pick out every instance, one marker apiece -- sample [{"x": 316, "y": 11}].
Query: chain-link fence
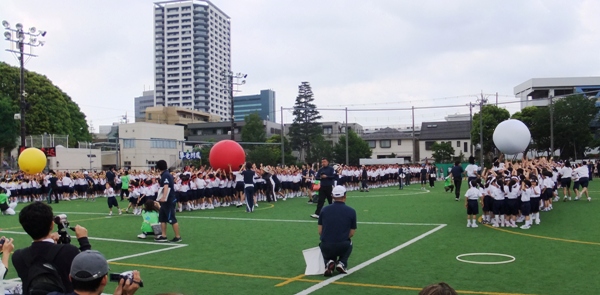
[{"x": 45, "y": 140}]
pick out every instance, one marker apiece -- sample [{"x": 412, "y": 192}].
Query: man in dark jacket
[
  {"x": 327, "y": 177},
  {"x": 37, "y": 220}
]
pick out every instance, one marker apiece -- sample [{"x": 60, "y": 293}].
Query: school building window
[
  {"x": 386, "y": 143},
  {"x": 428, "y": 145},
  {"x": 465, "y": 147},
  {"x": 327, "y": 130},
  {"x": 127, "y": 163},
  {"x": 372, "y": 143},
  {"x": 458, "y": 143},
  {"x": 163, "y": 143},
  {"x": 128, "y": 143},
  {"x": 399, "y": 141}
]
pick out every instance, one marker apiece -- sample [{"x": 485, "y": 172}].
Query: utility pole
[
  {"x": 482, "y": 101},
  {"x": 347, "y": 134},
  {"x": 413, "y": 136},
  {"x": 230, "y": 79},
  {"x": 282, "y": 140},
  {"x": 17, "y": 35},
  {"x": 471, "y": 125},
  {"x": 551, "y": 126}
]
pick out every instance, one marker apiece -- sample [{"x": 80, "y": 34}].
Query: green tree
[
  {"x": 443, "y": 152},
  {"x": 492, "y": 116},
  {"x": 304, "y": 128},
  {"x": 49, "y": 109},
  {"x": 271, "y": 154},
  {"x": 537, "y": 119},
  {"x": 9, "y": 127},
  {"x": 320, "y": 148},
  {"x": 357, "y": 149},
  {"x": 572, "y": 118},
  {"x": 253, "y": 130}
]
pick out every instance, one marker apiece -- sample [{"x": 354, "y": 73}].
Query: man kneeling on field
[{"x": 337, "y": 224}]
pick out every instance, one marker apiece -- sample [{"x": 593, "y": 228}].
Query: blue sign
[{"x": 189, "y": 155}]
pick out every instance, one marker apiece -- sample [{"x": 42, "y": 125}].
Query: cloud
[{"x": 356, "y": 54}]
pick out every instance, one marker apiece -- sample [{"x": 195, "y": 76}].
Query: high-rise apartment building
[
  {"x": 192, "y": 48},
  {"x": 143, "y": 102},
  {"x": 263, "y": 104}
]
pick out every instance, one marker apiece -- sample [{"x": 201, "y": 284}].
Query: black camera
[
  {"x": 2, "y": 242},
  {"x": 127, "y": 276},
  {"x": 63, "y": 224}
]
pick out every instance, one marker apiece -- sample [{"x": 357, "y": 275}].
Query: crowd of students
[{"x": 511, "y": 192}]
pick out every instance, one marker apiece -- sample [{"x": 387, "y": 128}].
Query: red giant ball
[{"x": 227, "y": 152}]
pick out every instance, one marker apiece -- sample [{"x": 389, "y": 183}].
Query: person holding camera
[
  {"x": 89, "y": 276},
  {"x": 6, "y": 247},
  {"x": 32, "y": 263}
]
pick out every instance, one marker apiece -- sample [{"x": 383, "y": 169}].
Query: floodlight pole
[{"x": 17, "y": 35}]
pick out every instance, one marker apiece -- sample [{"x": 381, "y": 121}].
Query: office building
[
  {"x": 143, "y": 102},
  {"x": 176, "y": 116},
  {"x": 263, "y": 104},
  {"x": 536, "y": 91},
  {"x": 192, "y": 48}
]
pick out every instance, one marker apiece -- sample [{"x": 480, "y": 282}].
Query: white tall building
[{"x": 192, "y": 49}]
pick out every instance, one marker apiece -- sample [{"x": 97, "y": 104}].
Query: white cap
[
  {"x": 85, "y": 173},
  {"x": 338, "y": 191}
]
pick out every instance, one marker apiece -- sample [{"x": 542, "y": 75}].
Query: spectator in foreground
[
  {"x": 37, "y": 220},
  {"x": 89, "y": 275},
  {"x": 438, "y": 289}
]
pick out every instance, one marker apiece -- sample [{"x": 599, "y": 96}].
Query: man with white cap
[
  {"x": 337, "y": 224},
  {"x": 89, "y": 276}
]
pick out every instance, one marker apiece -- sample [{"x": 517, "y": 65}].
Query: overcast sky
[{"x": 356, "y": 54}]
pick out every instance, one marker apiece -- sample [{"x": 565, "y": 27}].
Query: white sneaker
[
  {"x": 537, "y": 222},
  {"x": 495, "y": 225},
  {"x": 315, "y": 216},
  {"x": 577, "y": 198},
  {"x": 256, "y": 205},
  {"x": 120, "y": 213},
  {"x": 589, "y": 199},
  {"x": 468, "y": 224},
  {"x": 556, "y": 199},
  {"x": 474, "y": 225},
  {"x": 569, "y": 198},
  {"x": 525, "y": 226},
  {"x": 109, "y": 213},
  {"x": 141, "y": 236}
]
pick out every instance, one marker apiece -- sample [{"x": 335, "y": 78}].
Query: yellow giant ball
[{"x": 32, "y": 161}]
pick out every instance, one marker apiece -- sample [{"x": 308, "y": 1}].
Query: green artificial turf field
[{"x": 228, "y": 251}]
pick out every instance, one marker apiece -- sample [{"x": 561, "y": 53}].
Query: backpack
[{"x": 42, "y": 275}]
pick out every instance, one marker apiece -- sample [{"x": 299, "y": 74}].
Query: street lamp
[
  {"x": 17, "y": 36},
  {"x": 230, "y": 79}
]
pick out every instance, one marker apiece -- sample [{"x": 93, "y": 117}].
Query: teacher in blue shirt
[{"x": 327, "y": 177}]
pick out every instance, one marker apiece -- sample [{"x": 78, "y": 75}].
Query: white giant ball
[{"x": 512, "y": 137}]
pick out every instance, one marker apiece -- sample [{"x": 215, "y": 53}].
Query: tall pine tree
[{"x": 305, "y": 128}]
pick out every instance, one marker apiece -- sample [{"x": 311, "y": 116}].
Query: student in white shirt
[
  {"x": 472, "y": 199},
  {"x": 526, "y": 192},
  {"x": 565, "y": 180},
  {"x": 584, "y": 173},
  {"x": 111, "y": 199},
  {"x": 471, "y": 169}
]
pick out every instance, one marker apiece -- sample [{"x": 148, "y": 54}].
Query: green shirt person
[{"x": 125, "y": 181}]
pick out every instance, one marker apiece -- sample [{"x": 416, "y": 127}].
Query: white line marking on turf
[
  {"x": 367, "y": 263},
  {"x": 169, "y": 247},
  {"x": 148, "y": 252},
  {"x": 276, "y": 220},
  {"x": 389, "y": 195}
]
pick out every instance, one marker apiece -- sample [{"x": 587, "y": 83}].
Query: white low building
[
  {"x": 141, "y": 145},
  {"x": 74, "y": 159}
]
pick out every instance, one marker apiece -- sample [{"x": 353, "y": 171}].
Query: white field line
[
  {"x": 270, "y": 220},
  {"x": 367, "y": 263},
  {"x": 168, "y": 246},
  {"x": 389, "y": 195},
  {"x": 148, "y": 252}
]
